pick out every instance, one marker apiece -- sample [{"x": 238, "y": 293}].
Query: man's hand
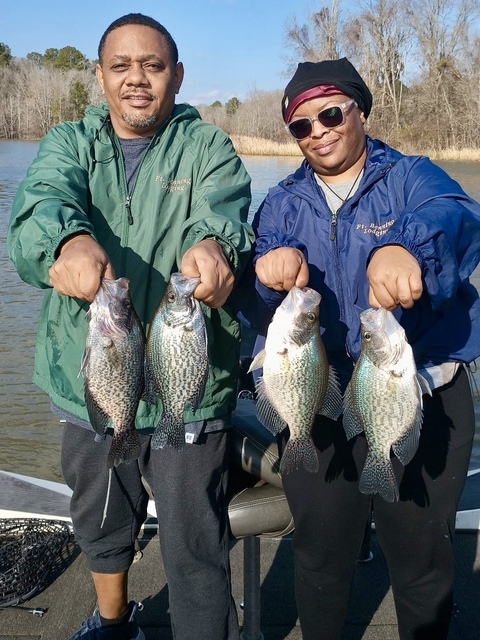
[
  {"x": 79, "y": 268},
  {"x": 282, "y": 268},
  {"x": 395, "y": 278},
  {"x": 207, "y": 260}
]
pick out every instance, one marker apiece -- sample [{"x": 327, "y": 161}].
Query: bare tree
[
  {"x": 386, "y": 39},
  {"x": 9, "y": 112},
  {"x": 318, "y": 38},
  {"x": 417, "y": 57},
  {"x": 260, "y": 116},
  {"x": 444, "y": 35}
]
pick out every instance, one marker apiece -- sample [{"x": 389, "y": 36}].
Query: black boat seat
[{"x": 257, "y": 506}]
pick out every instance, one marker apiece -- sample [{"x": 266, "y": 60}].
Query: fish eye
[
  {"x": 311, "y": 317},
  {"x": 171, "y": 297},
  {"x": 367, "y": 336}
]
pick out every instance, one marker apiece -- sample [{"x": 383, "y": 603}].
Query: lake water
[{"x": 29, "y": 434}]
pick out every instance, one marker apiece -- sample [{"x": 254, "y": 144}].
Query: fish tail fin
[
  {"x": 169, "y": 434},
  {"x": 125, "y": 447},
  {"x": 378, "y": 477},
  {"x": 299, "y": 451}
]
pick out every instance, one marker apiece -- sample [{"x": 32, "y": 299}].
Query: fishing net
[{"x": 29, "y": 548}]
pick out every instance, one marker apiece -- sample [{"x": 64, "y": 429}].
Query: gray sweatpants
[{"x": 189, "y": 489}]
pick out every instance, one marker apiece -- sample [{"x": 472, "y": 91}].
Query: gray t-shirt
[{"x": 133, "y": 150}]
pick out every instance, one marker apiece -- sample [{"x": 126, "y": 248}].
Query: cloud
[{"x": 206, "y": 97}]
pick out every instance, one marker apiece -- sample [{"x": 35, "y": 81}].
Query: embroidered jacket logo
[
  {"x": 173, "y": 185},
  {"x": 375, "y": 229}
]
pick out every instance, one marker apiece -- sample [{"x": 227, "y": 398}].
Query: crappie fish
[
  {"x": 384, "y": 399},
  {"x": 297, "y": 382},
  {"x": 177, "y": 359},
  {"x": 113, "y": 365}
]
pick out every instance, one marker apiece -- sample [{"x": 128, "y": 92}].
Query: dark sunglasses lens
[
  {"x": 329, "y": 118},
  {"x": 300, "y": 128},
  {"x": 332, "y": 117}
]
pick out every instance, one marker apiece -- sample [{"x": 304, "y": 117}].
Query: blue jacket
[{"x": 403, "y": 200}]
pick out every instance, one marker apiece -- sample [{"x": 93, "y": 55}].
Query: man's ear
[{"x": 99, "y": 74}]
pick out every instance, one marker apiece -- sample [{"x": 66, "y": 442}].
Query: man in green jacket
[{"x": 140, "y": 188}]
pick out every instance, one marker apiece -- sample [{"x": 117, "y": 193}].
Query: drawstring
[{"x": 108, "y": 498}]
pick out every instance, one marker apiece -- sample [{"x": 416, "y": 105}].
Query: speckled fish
[
  {"x": 297, "y": 382},
  {"x": 384, "y": 399},
  {"x": 113, "y": 365},
  {"x": 177, "y": 359}
]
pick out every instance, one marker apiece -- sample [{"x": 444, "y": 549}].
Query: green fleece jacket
[{"x": 190, "y": 185}]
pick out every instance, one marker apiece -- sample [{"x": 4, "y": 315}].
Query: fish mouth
[
  {"x": 305, "y": 299},
  {"x": 183, "y": 285},
  {"x": 110, "y": 296},
  {"x": 112, "y": 288}
]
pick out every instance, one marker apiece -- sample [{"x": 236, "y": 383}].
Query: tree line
[{"x": 420, "y": 58}]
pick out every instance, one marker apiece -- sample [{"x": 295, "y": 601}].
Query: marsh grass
[{"x": 249, "y": 146}]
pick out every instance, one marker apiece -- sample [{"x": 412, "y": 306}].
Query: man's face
[
  {"x": 139, "y": 80},
  {"x": 332, "y": 152}
]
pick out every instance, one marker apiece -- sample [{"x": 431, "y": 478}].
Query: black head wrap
[{"x": 339, "y": 73}]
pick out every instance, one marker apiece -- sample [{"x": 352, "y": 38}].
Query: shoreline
[{"x": 249, "y": 146}]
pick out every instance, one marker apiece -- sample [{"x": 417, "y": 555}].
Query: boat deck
[{"x": 68, "y": 596}]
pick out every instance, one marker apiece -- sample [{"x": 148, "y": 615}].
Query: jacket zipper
[
  {"x": 333, "y": 227},
  {"x": 129, "y": 210}
]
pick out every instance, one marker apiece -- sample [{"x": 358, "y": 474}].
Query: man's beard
[{"x": 139, "y": 122}]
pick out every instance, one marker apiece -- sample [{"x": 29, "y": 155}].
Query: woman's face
[{"x": 333, "y": 152}]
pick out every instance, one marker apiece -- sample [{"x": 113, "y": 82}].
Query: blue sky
[{"x": 229, "y": 47}]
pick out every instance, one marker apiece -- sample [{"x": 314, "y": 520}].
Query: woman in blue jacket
[{"x": 367, "y": 226}]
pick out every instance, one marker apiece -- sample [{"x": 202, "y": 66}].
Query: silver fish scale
[
  {"x": 113, "y": 366},
  {"x": 116, "y": 366},
  {"x": 177, "y": 363},
  {"x": 295, "y": 384},
  {"x": 384, "y": 399},
  {"x": 387, "y": 407}
]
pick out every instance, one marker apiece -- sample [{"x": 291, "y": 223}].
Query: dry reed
[{"x": 249, "y": 146}]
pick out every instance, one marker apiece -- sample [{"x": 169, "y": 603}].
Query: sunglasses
[{"x": 329, "y": 118}]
